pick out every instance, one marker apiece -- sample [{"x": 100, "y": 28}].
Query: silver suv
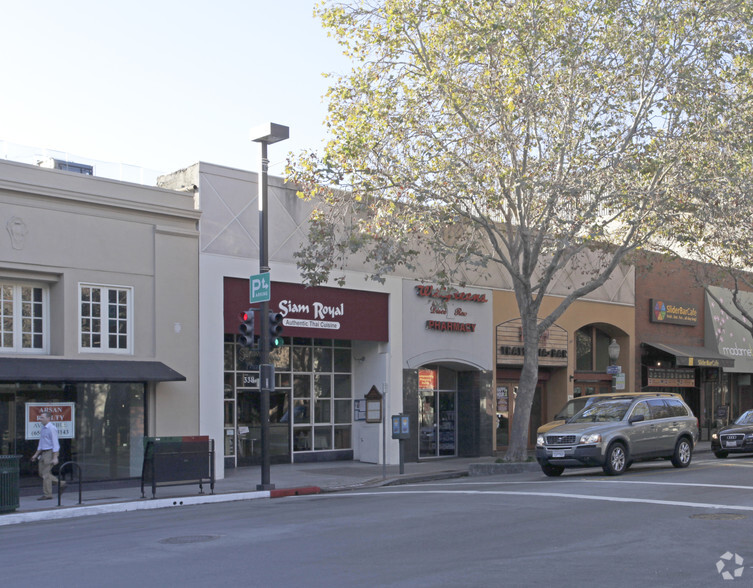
[{"x": 614, "y": 433}]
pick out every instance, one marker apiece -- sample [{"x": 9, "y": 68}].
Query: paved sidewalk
[{"x": 240, "y": 484}]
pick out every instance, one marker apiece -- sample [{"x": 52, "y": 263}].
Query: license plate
[
  {"x": 731, "y": 444},
  {"x": 558, "y": 453}
]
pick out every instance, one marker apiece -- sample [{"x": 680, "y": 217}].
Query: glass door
[{"x": 437, "y": 424}]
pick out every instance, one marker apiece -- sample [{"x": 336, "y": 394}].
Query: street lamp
[
  {"x": 265, "y": 134},
  {"x": 614, "y": 353}
]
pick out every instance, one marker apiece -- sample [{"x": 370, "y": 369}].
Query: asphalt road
[{"x": 653, "y": 526}]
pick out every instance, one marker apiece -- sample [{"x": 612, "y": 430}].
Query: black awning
[
  {"x": 687, "y": 356},
  {"x": 38, "y": 369}
]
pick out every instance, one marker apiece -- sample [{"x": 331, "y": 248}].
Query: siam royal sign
[
  {"x": 320, "y": 312},
  {"x": 552, "y": 345},
  {"x": 449, "y": 305},
  {"x": 673, "y": 313}
]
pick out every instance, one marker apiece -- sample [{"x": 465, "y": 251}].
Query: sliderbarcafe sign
[{"x": 673, "y": 313}]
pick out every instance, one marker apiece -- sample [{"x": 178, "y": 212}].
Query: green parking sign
[{"x": 259, "y": 288}]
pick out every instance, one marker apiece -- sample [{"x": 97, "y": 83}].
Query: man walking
[{"x": 47, "y": 454}]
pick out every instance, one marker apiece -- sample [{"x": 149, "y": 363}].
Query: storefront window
[
  {"x": 314, "y": 376},
  {"x": 592, "y": 349},
  {"x": 107, "y": 423}
]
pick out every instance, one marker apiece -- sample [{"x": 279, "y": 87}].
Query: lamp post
[
  {"x": 265, "y": 134},
  {"x": 614, "y": 353}
]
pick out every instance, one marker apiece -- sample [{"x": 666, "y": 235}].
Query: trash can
[{"x": 9, "y": 491}]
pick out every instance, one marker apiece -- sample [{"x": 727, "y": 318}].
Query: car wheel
[
  {"x": 617, "y": 460},
  {"x": 551, "y": 470},
  {"x": 721, "y": 454},
  {"x": 683, "y": 454}
]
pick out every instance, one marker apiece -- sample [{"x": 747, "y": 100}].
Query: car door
[
  {"x": 640, "y": 434},
  {"x": 665, "y": 428}
]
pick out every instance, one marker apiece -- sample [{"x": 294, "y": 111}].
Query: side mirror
[{"x": 637, "y": 418}]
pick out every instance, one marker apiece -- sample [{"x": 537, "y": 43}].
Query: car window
[
  {"x": 676, "y": 408},
  {"x": 571, "y": 407},
  {"x": 641, "y": 409},
  {"x": 602, "y": 412},
  {"x": 745, "y": 419},
  {"x": 659, "y": 409}
]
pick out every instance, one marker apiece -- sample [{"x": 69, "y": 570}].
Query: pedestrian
[{"x": 47, "y": 453}]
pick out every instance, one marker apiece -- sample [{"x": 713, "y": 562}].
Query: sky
[{"x": 162, "y": 84}]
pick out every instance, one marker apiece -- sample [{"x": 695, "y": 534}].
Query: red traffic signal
[{"x": 246, "y": 328}]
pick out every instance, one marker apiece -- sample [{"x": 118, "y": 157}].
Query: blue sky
[{"x": 162, "y": 84}]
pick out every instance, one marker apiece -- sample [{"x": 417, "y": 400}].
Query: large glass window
[
  {"x": 592, "y": 349},
  {"x": 108, "y": 424},
  {"x": 23, "y": 324},
  {"x": 315, "y": 375},
  {"x": 105, "y": 318}
]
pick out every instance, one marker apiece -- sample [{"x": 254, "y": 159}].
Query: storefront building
[
  {"x": 731, "y": 340},
  {"x": 573, "y": 353},
  {"x": 313, "y": 416},
  {"x": 447, "y": 370},
  {"x": 686, "y": 342},
  {"x": 339, "y": 341},
  {"x": 98, "y": 322}
]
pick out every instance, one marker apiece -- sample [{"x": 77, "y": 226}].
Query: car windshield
[
  {"x": 571, "y": 408},
  {"x": 603, "y": 412},
  {"x": 745, "y": 419}
]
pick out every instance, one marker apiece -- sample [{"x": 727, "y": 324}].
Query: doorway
[{"x": 438, "y": 418}]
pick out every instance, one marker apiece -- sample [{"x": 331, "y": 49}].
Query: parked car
[
  {"x": 612, "y": 434},
  {"x": 575, "y": 405},
  {"x": 734, "y": 438}
]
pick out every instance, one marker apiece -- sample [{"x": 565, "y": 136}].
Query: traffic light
[
  {"x": 275, "y": 330},
  {"x": 246, "y": 329}
]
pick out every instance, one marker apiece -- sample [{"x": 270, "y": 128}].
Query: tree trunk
[{"x": 517, "y": 450}]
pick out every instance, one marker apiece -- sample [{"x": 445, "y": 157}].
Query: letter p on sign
[{"x": 259, "y": 288}]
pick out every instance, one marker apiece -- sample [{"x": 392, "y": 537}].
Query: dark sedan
[{"x": 734, "y": 438}]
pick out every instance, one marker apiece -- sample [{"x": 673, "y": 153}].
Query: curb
[
  {"x": 151, "y": 504},
  {"x": 302, "y": 491},
  {"x": 493, "y": 469}
]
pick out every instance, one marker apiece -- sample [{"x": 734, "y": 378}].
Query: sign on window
[{"x": 63, "y": 417}]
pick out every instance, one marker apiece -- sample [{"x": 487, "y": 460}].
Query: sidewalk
[{"x": 240, "y": 484}]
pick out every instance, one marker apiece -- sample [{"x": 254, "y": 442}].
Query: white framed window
[
  {"x": 105, "y": 318},
  {"x": 23, "y": 318}
]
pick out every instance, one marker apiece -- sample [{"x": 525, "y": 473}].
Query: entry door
[
  {"x": 438, "y": 424},
  {"x": 249, "y": 428},
  {"x": 7, "y": 424}
]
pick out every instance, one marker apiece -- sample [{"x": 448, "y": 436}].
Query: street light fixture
[
  {"x": 614, "y": 354},
  {"x": 265, "y": 134}
]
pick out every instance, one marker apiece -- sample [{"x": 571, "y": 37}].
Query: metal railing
[{"x": 73, "y": 465}]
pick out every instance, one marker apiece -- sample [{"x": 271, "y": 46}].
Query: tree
[{"x": 535, "y": 136}]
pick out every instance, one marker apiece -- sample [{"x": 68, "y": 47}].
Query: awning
[
  {"x": 688, "y": 356},
  {"x": 37, "y": 369}
]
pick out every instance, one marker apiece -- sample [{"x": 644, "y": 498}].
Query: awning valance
[
  {"x": 37, "y": 369},
  {"x": 688, "y": 356}
]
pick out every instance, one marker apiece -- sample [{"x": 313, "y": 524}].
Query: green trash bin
[{"x": 9, "y": 491}]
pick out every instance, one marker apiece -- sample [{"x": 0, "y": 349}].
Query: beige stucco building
[{"x": 98, "y": 316}]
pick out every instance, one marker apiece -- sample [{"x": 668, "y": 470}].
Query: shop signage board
[
  {"x": 673, "y": 313},
  {"x": 63, "y": 417},
  {"x": 510, "y": 345},
  {"x": 671, "y": 377}
]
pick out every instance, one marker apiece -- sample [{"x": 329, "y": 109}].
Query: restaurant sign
[
  {"x": 673, "y": 313},
  {"x": 671, "y": 378}
]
